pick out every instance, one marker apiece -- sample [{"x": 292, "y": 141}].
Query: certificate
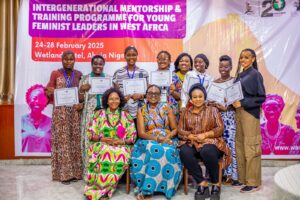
[
  {"x": 216, "y": 93},
  {"x": 225, "y": 96},
  {"x": 66, "y": 96},
  {"x": 234, "y": 93},
  {"x": 161, "y": 78},
  {"x": 193, "y": 80},
  {"x": 134, "y": 86},
  {"x": 99, "y": 84}
]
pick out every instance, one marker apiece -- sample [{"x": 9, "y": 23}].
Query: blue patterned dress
[
  {"x": 229, "y": 134},
  {"x": 156, "y": 167}
]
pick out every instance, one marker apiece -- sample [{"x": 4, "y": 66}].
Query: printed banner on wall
[{"x": 213, "y": 27}]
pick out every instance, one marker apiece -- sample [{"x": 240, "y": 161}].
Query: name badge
[{"x": 163, "y": 96}]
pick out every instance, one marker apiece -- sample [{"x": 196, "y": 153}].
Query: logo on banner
[
  {"x": 278, "y": 5},
  {"x": 265, "y": 8}
]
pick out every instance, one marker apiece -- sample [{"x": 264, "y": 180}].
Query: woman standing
[
  {"x": 248, "y": 137},
  {"x": 65, "y": 139},
  {"x": 130, "y": 71},
  {"x": 156, "y": 165},
  {"x": 172, "y": 92},
  {"x": 112, "y": 134},
  {"x": 183, "y": 64},
  {"x": 201, "y": 63},
  {"x": 92, "y": 102},
  {"x": 228, "y": 116}
]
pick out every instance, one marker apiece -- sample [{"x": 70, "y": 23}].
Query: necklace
[
  {"x": 220, "y": 80},
  {"x": 132, "y": 76},
  {"x": 273, "y": 138},
  {"x": 69, "y": 79},
  {"x": 119, "y": 120}
]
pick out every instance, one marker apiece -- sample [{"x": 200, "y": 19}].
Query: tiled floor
[{"x": 33, "y": 182}]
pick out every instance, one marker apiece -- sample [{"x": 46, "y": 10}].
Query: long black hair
[
  {"x": 254, "y": 64},
  {"x": 176, "y": 63}
]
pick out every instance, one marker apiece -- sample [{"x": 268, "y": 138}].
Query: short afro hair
[{"x": 106, "y": 95}]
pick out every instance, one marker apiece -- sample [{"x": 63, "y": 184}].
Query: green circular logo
[{"x": 278, "y": 4}]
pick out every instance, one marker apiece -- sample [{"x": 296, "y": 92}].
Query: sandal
[
  {"x": 140, "y": 196},
  {"x": 66, "y": 182},
  {"x": 105, "y": 197},
  {"x": 74, "y": 180},
  {"x": 148, "y": 197}
]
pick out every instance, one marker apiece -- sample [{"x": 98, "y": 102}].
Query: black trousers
[{"x": 209, "y": 154}]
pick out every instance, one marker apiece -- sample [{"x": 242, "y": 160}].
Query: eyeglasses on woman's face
[{"x": 153, "y": 94}]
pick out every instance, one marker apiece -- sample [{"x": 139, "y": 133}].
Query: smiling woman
[
  {"x": 91, "y": 102},
  {"x": 111, "y": 134},
  {"x": 130, "y": 71},
  {"x": 36, "y": 127},
  {"x": 200, "y": 131},
  {"x": 170, "y": 94},
  {"x": 155, "y": 158},
  {"x": 66, "y": 151}
]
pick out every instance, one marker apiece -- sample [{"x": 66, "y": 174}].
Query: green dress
[
  {"x": 92, "y": 102},
  {"x": 107, "y": 163}
]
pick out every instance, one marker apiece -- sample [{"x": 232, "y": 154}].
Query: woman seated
[
  {"x": 156, "y": 167},
  {"x": 200, "y": 131},
  {"x": 111, "y": 134}
]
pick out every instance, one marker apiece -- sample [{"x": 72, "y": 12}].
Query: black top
[{"x": 253, "y": 91}]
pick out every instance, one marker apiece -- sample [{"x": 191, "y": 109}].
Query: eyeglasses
[
  {"x": 162, "y": 59},
  {"x": 154, "y": 94}
]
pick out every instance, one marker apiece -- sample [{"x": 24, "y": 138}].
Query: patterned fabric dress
[
  {"x": 107, "y": 163},
  {"x": 170, "y": 99},
  {"x": 92, "y": 102},
  {"x": 156, "y": 167},
  {"x": 122, "y": 74},
  {"x": 229, "y": 134},
  {"x": 65, "y": 138}
]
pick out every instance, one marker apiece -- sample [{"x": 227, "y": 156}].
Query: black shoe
[
  {"x": 66, "y": 182},
  {"x": 202, "y": 193},
  {"x": 249, "y": 189},
  {"x": 215, "y": 192},
  {"x": 236, "y": 184}
]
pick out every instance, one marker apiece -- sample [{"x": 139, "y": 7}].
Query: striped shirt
[{"x": 120, "y": 75}]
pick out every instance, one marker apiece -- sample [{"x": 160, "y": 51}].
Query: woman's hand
[
  {"x": 172, "y": 88},
  {"x": 95, "y": 138},
  {"x": 78, "y": 107},
  {"x": 200, "y": 138},
  {"x": 84, "y": 88},
  {"x": 127, "y": 97},
  {"x": 49, "y": 91},
  {"x": 167, "y": 139},
  {"x": 137, "y": 97},
  {"x": 192, "y": 137},
  {"x": 237, "y": 104},
  {"x": 217, "y": 105},
  {"x": 107, "y": 140}
]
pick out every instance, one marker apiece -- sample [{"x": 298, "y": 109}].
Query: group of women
[{"x": 153, "y": 137}]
